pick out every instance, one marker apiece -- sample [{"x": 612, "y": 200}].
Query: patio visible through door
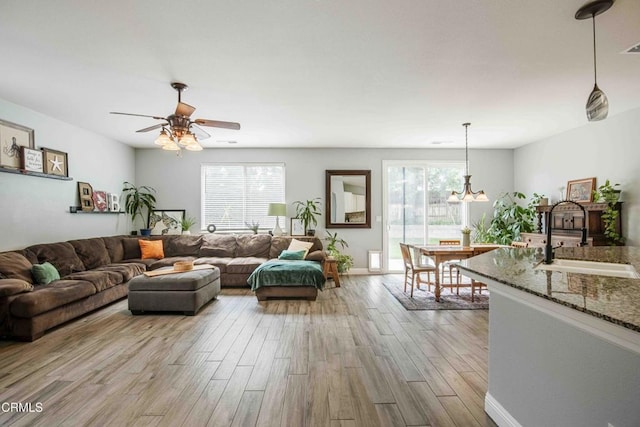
[{"x": 416, "y": 208}]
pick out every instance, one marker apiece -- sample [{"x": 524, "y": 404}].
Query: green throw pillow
[
  {"x": 44, "y": 273},
  {"x": 292, "y": 255}
]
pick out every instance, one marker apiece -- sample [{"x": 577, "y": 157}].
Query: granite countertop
[{"x": 613, "y": 299}]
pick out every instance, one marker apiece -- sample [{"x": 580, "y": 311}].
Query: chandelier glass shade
[
  {"x": 597, "y": 107},
  {"x": 467, "y": 194}
]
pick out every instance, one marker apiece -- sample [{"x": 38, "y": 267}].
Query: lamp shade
[{"x": 277, "y": 209}]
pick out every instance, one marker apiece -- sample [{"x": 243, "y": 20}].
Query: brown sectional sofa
[{"x": 95, "y": 272}]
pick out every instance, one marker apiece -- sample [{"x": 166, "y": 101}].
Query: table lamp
[{"x": 277, "y": 210}]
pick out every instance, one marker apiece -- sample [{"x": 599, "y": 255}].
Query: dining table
[{"x": 442, "y": 253}]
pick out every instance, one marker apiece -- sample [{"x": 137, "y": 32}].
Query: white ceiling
[{"x": 321, "y": 73}]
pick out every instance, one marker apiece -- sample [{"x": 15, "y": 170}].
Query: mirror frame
[{"x": 367, "y": 176}]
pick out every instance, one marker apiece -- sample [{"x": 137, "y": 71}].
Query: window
[{"x": 234, "y": 195}]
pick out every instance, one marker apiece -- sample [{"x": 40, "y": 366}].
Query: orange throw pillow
[{"x": 151, "y": 249}]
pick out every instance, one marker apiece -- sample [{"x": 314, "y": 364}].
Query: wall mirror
[{"x": 348, "y": 199}]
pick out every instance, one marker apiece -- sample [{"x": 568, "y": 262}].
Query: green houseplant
[
  {"x": 510, "y": 218},
  {"x": 186, "y": 223},
  {"x": 307, "y": 212},
  {"x": 343, "y": 261},
  {"x": 609, "y": 194},
  {"x": 139, "y": 201}
]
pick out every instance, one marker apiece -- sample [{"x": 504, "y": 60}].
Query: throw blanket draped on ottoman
[{"x": 287, "y": 274}]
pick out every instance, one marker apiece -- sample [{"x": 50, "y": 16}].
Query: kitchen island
[{"x": 564, "y": 348}]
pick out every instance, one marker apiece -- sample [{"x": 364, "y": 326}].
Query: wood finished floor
[{"x": 354, "y": 357}]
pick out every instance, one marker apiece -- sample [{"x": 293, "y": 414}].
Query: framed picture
[
  {"x": 581, "y": 190},
  {"x": 297, "y": 227},
  {"x": 166, "y": 221},
  {"x": 55, "y": 162},
  {"x": 12, "y": 138},
  {"x": 31, "y": 160}
]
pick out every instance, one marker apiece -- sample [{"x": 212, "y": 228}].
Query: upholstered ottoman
[{"x": 186, "y": 291}]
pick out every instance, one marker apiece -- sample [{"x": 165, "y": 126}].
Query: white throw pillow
[{"x": 299, "y": 245}]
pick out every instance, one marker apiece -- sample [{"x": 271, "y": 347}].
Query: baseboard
[{"x": 497, "y": 413}]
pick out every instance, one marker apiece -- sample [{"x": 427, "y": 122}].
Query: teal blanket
[{"x": 277, "y": 272}]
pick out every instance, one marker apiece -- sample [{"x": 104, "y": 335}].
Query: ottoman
[{"x": 185, "y": 291}]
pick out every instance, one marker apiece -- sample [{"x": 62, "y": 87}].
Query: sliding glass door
[{"x": 416, "y": 208}]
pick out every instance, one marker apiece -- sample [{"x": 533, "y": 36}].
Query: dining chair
[
  {"x": 413, "y": 270},
  {"x": 451, "y": 264}
]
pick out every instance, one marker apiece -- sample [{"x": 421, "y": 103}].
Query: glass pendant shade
[
  {"x": 172, "y": 146},
  {"x": 188, "y": 139},
  {"x": 163, "y": 138},
  {"x": 597, "y": 105}
]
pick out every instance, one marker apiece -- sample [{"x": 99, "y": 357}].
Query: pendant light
[
  {"x": 597, "y": 103},
  {"x": 467, "y": 195}
]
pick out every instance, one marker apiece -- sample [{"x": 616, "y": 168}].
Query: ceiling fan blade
[
  {"x": 158, "y": 126},
  {"x": 184, "y": 109},
  {"x": 199, "y": 132},
  {"x": 138, "y": 115},
  {"x": 218, "y": 124}
]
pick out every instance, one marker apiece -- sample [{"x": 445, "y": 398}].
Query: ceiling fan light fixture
[
  {"x": 187, "y": 139},
  {"x": 172, "y": 146},
  {"x": 163, "y": 138}
]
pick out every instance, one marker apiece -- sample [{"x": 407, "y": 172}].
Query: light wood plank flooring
[{"x": 354, "y": 357}]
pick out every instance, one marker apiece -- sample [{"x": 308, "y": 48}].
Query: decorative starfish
[{"x": 56, "y": 164}]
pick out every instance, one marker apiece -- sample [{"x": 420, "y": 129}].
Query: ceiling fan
[{"x": 178, "y": 129}]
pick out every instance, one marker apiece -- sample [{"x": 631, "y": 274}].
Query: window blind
[{"x": 234, "y": 195}]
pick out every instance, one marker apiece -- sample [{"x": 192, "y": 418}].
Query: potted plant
[
  {"x": 466, "y": 237},
  {"x": 308, "y": 212},
  {"x": 609, "y": 194},
  {"x": 511, "y": 218},
  {"x": 137, "y": 202},
  {"x": 186, "y": 223},
  {"x": 343, "y": 261},
  {"x": 254, "y": 226}
]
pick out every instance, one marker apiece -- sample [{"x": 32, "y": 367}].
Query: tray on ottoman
[{"x": 184, "y": 291}]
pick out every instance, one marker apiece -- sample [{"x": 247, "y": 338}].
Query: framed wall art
[
  {"x": 12, "y": 138},
  {"x": 166, "y": 221},
  {"x": 297, "y": 227},
  {"x": 31, "y": 160},
  {"x": 581, "y": 190},
  {"x": 55, "y": 162}
]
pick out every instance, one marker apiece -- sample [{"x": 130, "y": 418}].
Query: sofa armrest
[{"x": 10, "y": 287}]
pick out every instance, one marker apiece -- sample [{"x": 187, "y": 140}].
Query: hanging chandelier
[
  {"x": 467, "y": 195},
  {"x": 597, "y": 104}
]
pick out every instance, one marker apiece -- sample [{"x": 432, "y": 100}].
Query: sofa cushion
[
  {"x": 100, "y": 279},
  {"x": 10, "y": 287},
  {"x": 128, "y": 270},
  {"x": 131, "y": 248},
  {"x": 244, "y": 265},
  {"x": 186, "y": 245},
  {"x": 92, "y": 252},
  {"x": 44, "y": 273},
  {"x": 253, "y": 245},
  {"x": 15, "y": 266},
  {"x": 61, "y": 255},
  {"x": 48, "y": 297},
  {"x": 114, "y": 248},
  {"x": 145, "y": 262},
  {"x": 218, "y": 245},
  {"x": 299, "y": 245},
  {"x": 169, "y": 261},
  {"x": 220, "y": 262},
  {"x": 151, "y": 249}
]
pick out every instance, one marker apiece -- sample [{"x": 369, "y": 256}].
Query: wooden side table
[{"x": 330, "y": 269}]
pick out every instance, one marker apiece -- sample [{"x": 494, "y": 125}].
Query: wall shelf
[
  {"x": 80, "y": 211},
  {"x": 38, "y": 174}
]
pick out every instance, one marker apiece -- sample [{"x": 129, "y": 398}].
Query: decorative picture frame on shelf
[
  {"x": 581, "y": 190},
  {"x": 166, "y": 221},
  {"x": 85, "y": 195},
  {"x": 31, "y": 160},
  {"x": 12, "y": 138},
  {"x": 297, "y": 227},
  {"x": 55, "y": 162}
]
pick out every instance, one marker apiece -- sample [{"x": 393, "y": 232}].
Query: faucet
[{"x": 548, "y": 250}]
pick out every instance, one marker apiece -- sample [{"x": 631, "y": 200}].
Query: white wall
[
  {"x": 177, "y": 180},
  {"x": 609, "y": 149},
  {"x": 36, "y": 210}
]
